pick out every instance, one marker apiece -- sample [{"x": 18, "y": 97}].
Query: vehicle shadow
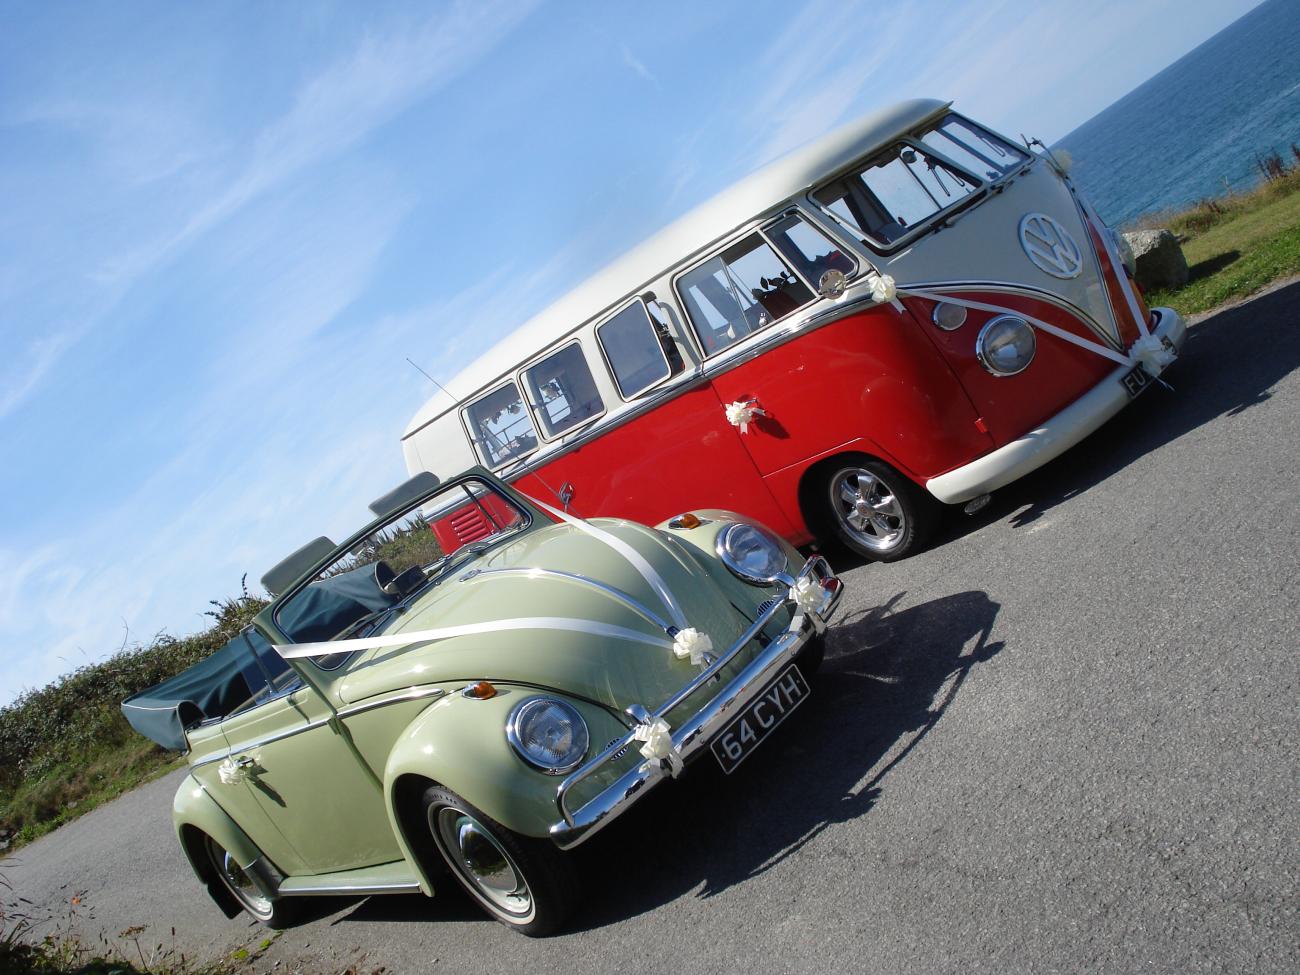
[
  {"x": 1228, "y": 365},
  {"x": 888, "y": 678}
]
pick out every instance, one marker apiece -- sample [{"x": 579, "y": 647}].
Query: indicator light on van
[{"x": 948, "y": 316}]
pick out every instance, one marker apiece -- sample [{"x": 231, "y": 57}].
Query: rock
[{"x": 1160, "y": 261}]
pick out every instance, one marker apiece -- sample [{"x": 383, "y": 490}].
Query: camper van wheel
[{"x": 876, "y": 511}]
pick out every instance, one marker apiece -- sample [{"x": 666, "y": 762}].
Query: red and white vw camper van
[{"x": 913, "y": 311}]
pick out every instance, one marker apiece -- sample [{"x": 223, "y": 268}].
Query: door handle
[{"x": 245, "y": 761}]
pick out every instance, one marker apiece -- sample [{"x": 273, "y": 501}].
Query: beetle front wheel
[
  {"x": 525, "y": 883},
  {"x": 274, "y": 914},
  {"x": 876, "y": 511}
]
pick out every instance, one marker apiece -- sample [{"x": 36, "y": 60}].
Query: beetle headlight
[
  {"x": 751, "y": 553},
  {"x": 548, "y": 734},
  {"x": 1005, "y": 345}
]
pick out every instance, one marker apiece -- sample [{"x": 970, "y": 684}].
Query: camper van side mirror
[{"x": 832, "y": 284}]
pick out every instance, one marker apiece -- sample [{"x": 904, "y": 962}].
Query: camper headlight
[
  {"x": 751, "y": 553},
  {"x": 1005, "y": 345},
  {"x": 548, "y": 734}
]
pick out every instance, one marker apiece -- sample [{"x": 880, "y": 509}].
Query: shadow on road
[{"x": 888, "y": 678}]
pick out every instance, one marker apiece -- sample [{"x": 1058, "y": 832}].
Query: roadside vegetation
[
  {"x": 65, "y": 748},
  {"x": 1237, "y": 244}
]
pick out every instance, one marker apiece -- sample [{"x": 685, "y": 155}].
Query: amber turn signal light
[
  {"x": 687, "y": 520},
  {"x": 480, "y": 690}
]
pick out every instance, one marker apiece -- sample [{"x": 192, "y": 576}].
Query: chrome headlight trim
[
  {"x": 948, "y": 317},
  {"x": 517, "y": 725},
  {"x": 1002, "y": 322},
  {"x": 737, "y": 535}
]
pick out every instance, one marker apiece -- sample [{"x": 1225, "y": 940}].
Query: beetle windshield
[{"x": 372, "y": 578}]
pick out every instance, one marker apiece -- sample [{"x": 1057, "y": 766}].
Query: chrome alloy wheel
[
  {"x": 238, "y": 882},
  {"x": 482, "y": 862},
  {"x": 867, "y": 509}
]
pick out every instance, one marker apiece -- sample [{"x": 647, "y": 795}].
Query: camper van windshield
[{"x": 902, "y": 188}]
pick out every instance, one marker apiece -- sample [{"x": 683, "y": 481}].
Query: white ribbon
[
  {"x": 741, "y": 414},
  {"x": 658, "y": 739},
  {"x": 635, "y": 558},
  {"x": 693, "y": 644},
  {"x": 885, "y": 289},
  {"x": 1153, "y": 355},
  {"x": 294, "y": 651}
]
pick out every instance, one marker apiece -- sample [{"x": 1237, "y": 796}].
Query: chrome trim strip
[
  {"x": 410, "y": 694},
  {"x": 577, "y": 826},
  {"x": 616, "y": 594},
  {"x": 352, "y": 890}
]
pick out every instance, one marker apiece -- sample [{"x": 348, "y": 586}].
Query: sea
[{"x": 1196, "y": 129}]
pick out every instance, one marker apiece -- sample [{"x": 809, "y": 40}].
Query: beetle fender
[
  {"x": 195, "y": 812},
  {"x": 460, "y": 743}
]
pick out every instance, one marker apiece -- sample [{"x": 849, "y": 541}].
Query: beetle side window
[
  {"x": 810, "y": 252},
  {"x": 894, "y": 193},
  {"x": 638, "y": 347},
  {"x": 741, "y": 290},
  {"x": 562, "y": 391},
  {"x": 500, "y": 426}
]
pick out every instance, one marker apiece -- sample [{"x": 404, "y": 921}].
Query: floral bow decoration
[
  {"x": 690, "y": 642},
  {"x": 658, "y": 738},
  {"x": 807, "y": 596},
  {"x": 1152, "y": 354},
  {"x": 741, "y": 414},
  {"x": 884, "y": 289},
  {"x": 231, "y": 772}
]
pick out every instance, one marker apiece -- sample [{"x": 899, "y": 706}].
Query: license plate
[
  {"x": 747, "y": 731},
  {"x": 1135, "y": 380}
]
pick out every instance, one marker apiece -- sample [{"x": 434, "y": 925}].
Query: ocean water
[{"x": 1195, "y": 128}]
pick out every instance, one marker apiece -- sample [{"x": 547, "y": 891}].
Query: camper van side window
[
  {"x": 500, "y": 426},
  {"x": 739, "y": 291},
  {"x": 895, "y": 193},
  {"x": 635, "y": 346},
  {"x": 562, "y": 391},
  {"x": 808, "y": 249}
]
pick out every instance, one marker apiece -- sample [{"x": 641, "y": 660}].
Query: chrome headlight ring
[
  {"x": 548, "y": 734},
  {"x": 1006, "y": 345},
  {"x": 751, "y": 554}
]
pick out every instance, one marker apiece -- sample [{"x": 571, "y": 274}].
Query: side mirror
[{"x": 832, "y": 284}]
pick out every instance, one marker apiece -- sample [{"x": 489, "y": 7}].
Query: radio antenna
[{"x": 428, "y": 377}]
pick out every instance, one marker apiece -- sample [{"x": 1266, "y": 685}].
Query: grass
[
  {"x": 65, "y": 748},
  {"x": 1236, "y": 245}
]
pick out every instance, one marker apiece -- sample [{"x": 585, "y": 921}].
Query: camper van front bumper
[{"x": 1054, "y": 436}]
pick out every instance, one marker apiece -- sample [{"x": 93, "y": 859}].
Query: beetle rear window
[
  {"x": 500, "y": 426},
  {"x": 740, "y": 291}
]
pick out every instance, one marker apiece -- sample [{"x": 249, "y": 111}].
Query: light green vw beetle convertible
[{"x": 479, "y": 683}]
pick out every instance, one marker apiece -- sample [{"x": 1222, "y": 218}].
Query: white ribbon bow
[
  {"x": 690, "y": 642},
  {"x": 658, "y": 738},
  {"x": 232, "y": 773},
  {"x": 1152, "y": 354},
  {"x": 806, "y": 594},
  {"x": 742, "y": 414}
]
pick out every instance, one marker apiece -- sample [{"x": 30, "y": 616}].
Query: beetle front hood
[{"x": 579, "y": 660}]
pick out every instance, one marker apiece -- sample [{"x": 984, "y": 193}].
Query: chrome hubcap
[
  {"x": 237, "y": 881},
  {"x": 868, "y": 509},
  {"x": 482, "y": 861}
]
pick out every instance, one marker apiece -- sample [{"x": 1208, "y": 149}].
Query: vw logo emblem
[{"x": 1049, "y": 246}]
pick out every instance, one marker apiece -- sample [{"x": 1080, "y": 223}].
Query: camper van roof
[{"x": 782, "y": 179}]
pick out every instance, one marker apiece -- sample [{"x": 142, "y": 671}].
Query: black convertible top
[{"x": 222, "y": 682}]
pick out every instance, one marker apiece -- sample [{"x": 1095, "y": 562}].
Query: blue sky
[{"x": 224, "y": 226}]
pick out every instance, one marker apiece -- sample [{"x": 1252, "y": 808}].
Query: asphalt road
[{"x": 1064, "y": 739}]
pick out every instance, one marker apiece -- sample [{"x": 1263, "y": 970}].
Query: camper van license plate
[
  {"x": 772, "y": 705},
  {"x": 1135, "y": 380}
]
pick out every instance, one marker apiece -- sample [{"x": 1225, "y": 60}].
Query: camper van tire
[{"x": 874, "y": 510}]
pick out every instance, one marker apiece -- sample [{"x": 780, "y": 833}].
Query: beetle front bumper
[
  {"x": 694, "y": 735},
  {"x": 1056, "y": 435}
]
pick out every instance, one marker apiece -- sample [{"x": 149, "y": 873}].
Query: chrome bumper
[
  {"x": 1055, "y": 436},
  {"x": 693, "y": 736}
]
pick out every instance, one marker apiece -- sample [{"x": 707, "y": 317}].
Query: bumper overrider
[
  {"x": 693, "y": 735},
  {"x": 1055, "y": 435}
]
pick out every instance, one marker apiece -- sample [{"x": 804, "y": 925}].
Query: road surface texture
[{"x": 1061, "y": 740}]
